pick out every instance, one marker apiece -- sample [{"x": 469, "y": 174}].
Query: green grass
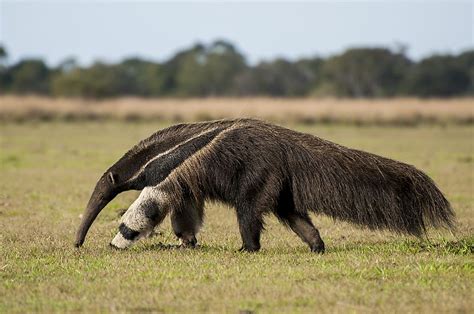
[{"x": 47, "y": 171}]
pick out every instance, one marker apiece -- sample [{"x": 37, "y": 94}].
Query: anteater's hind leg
[
  {"x": 250, "y": 226},
  {"x": 186, "y": 220},
  {"x": 301, "y": 224}
]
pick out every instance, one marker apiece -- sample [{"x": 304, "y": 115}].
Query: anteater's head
[{"x": 119, "y": 178}]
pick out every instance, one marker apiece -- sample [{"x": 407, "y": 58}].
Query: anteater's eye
[{"x": 112, "y": 178}]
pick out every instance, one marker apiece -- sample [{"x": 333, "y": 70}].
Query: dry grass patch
[{"x": 307, "y": 111}]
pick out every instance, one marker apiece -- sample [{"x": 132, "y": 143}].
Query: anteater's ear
[{"x": 112, "y": 177}]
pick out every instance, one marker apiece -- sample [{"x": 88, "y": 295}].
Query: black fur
[
  {"x": 160, "y": 168},
  {"x": 128, "y": 233}
]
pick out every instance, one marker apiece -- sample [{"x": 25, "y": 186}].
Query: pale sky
[{"x": 110, "y": 30}]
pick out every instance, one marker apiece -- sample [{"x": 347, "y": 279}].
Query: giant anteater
[{"x": 259, "y": 168}]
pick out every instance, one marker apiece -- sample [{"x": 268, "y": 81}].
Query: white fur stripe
[{"x": 139, "y": 172}]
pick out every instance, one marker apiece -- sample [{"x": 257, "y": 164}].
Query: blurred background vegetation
[{"x": 219, "y": 69}]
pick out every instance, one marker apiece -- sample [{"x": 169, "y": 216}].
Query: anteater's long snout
[{"x": 96, "y": 203}]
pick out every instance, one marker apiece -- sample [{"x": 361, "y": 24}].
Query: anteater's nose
[{"x": 113, "y": 246}]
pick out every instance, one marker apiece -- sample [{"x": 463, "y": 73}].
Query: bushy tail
[
  {"x": 372, "y": 191},
  {"x": 423, "y": 204}
]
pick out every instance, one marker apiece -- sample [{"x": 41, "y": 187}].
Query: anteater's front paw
[
  {"x": 318, "y": 248},
  {"x": 188, "y": 243},
  {"x": 249, "y": 248},
  {"x": 111, "y": 245},
  {"x": 119, "y": 242}
]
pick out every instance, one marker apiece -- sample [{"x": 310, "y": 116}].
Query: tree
[
  {"x": 437, "y": 76},
  {"x": 204, "y": 71},
  {"x": 98, "y": 81},
  {"x": 67, "y": 65},
  {"x": 29, "y": 76},
  {"x": 4, "y": 77},
  {"x": 3, "y": 55},
  {"x": 366, "y": 72},
  {"x": 279, "y": 78},
  {"x": 141, "y": 77},
  {"x": 465, "y": 61}
]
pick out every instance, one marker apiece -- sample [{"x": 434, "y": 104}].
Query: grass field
[{"x": 47, "y": 171}]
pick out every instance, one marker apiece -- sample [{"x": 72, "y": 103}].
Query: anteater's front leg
[
  {"x": 186, "y": 220},
  {"x": 148, "y": 210}
]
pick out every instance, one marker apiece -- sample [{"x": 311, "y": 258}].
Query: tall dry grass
[{"x": 402, "y": 111}]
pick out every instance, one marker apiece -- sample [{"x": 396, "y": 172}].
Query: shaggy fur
[{"x": 260, "y": 168}]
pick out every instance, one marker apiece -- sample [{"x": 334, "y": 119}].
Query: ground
[{"x": 48, "y": 170}]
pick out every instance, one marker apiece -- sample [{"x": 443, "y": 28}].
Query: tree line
[{"x": 219, "y": 69}]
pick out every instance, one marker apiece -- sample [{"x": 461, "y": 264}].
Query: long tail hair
[{"x": 369, "y": 190}]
